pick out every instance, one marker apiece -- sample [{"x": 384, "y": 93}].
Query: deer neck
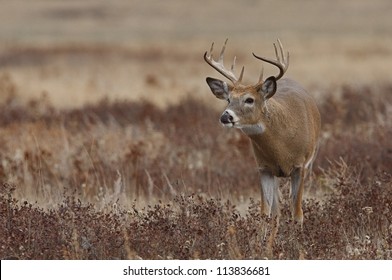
[{"x": 272, "y": 113}]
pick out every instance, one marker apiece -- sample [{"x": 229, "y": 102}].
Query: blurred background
[
  {"x": 77, "y": 52},
  {"x": 104, "y": 109}
]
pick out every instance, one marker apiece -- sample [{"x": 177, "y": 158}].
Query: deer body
[
  {"x": 282, "y": 121},
  {"x": 289, "y": 132}
]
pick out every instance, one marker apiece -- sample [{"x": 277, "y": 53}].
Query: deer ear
[
  {"x": 268, "y": 88},
  {"x": 219, "y": 88}
]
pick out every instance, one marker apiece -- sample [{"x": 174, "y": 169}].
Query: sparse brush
[{"x": 130, "y": 180}]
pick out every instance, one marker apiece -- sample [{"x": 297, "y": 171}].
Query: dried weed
[{"x": 128, "y": 180}]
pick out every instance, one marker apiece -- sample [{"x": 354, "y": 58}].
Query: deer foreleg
[{"x": 269, "y": 194}]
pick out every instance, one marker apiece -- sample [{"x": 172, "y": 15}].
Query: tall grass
[{"x": 121, "y": 180}]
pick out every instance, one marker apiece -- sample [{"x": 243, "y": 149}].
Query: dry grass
[{"x": 130, "y": 180}]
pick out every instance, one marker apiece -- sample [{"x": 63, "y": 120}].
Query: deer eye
[{"x": 249, "y": 101}]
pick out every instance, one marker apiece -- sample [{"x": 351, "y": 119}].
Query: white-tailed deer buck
[{"x": 280, "y": 118}]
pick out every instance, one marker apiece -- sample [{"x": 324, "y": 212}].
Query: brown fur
[{"x": 292, "y": 128}]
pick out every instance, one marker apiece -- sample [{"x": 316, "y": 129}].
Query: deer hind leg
[{"x": 297, "y": 189}]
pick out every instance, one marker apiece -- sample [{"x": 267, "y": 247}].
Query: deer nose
[{"x": 226, "y": 118}]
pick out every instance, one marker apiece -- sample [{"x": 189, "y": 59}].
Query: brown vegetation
[{"x": 120, "y": 180}]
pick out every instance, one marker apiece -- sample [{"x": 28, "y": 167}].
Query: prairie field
[{"x": 111, "y": 147}]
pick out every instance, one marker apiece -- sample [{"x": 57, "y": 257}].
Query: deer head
[{"x": 247, "y": 104}]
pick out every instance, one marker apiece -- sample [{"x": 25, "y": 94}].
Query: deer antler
[
  {"x": 218, "y": 65},
  {"x": 281, "y": 62}
]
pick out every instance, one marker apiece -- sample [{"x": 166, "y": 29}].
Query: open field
[
  {"x": 110, "y": 146},
  {"x": 130, "y": 180},
  {"x": 83, "y": 51}
]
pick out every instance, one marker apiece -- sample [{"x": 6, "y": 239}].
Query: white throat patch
[{"x": 253, "y": 129}]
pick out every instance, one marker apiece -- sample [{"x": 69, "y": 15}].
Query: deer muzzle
[{"x": 228, "y": 118}]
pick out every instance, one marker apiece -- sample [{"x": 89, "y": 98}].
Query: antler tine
[
  {"x": 276, "y": 53},
  {"x": 242, "y": 70},
  {"x": 211, "y": 49},
  {"x": 281, "y": 50},
  {"x": 222, "y": 52},
  {"x": 285, "y": 60},
  {"x": 281, "y": 61},
  {"x": 241, "y": 75},
  {"x": 261, "y": 74},
  {"x": 233, "y": 65},
  {"x": 218, "y": 65}
]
